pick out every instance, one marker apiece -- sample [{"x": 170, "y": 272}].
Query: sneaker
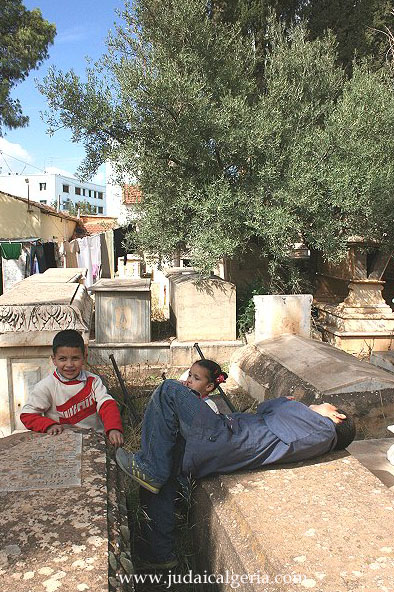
[
  {"x": 126, "y": 461},
  {"x": 166, "y": 564}
]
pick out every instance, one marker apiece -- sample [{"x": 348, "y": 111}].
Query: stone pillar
[
  {"x": 285, "y": 314},
  {"x": 361, "y": 321}
]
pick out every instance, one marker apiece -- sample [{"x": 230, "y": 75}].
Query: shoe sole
[
  {"x": 143, "y": 484},
  {"x": 166, "y": 565}
]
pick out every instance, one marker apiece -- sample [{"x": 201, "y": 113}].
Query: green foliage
[
  {"x": 233, "y": 142},
  {"x": 357, "y": 25},
  {"x": 24, "y": 40}
]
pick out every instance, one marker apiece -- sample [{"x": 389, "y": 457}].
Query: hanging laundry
[
  {"x": 69, "y": 254},
  {"x": 11, "y": 250},
  {"x": 15, "y": 270},
  {"x": 84, "y": 259},
  {"x": 95, "y": 253},
  {"x": 107, "y": 254},
  {"x": 119, "y": 250},
  {"x": 37, "y": 256},
  {"x": 49, "y": 252}
]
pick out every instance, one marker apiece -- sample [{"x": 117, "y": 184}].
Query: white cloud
[
  {"x": 57, "y": 171},
  {"x": 13, "y": 156},
  {"x": 76, "y": 33}
]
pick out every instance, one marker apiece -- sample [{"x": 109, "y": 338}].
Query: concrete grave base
[
  {"x": 161, "y": 353},
  {"x": 315, "y": 372},
  {"x": 323, "y": 525}
]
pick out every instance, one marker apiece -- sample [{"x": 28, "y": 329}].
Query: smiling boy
[{"x": 71, "y": 395}]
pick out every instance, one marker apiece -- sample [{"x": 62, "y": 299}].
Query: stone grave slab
[
  {"x": 373, "y": 455},
  {"x": 55, "y": 539},
  {"x": 323, "y": 525},
  {"x": 383, "y": 360},
  {"x": 315, "y": 372},
  {"x": 49, "y": 462},
  {"x": 28, "y": 293}
]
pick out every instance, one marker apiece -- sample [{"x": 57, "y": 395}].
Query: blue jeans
[
  {"x": 170, "y": 413},
  {"x": 167, "y": 422}
]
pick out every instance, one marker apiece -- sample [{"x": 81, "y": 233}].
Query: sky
[{"x": 82, "y": 28}]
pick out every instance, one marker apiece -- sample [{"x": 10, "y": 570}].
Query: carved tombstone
[
  {"x": 31, "y": 314},
  {"x": 352, "y": 312}
]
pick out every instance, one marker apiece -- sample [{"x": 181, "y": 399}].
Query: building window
[
  {"x": 77, "y": 191},
  {"x": 100, "y": 210},
  {"x": 100, "y": 194},
  {"x": 94, "y": 194},
  {"x": 43, "y": 187},
  {"x": 66, "y": 188},
  {"x": 83, "y": 191},
  {"x": 43, "y": 201}
]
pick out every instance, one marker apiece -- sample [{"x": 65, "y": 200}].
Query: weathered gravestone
[
  {"x": 315, "y": 372},
  {"x": 60, "y": 524},
  {"x": 31, "y": 314}
]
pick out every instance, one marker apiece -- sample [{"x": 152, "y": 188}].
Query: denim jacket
[{"x": 281, "y": 431}]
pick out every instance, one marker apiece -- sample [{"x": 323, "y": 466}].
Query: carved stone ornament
[{"x": 48, "y": 316}]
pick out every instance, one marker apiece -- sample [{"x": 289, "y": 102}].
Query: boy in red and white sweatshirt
[{"x": 71, "y": 395}]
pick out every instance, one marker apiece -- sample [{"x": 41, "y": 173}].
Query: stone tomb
[
  {"x": 323, "y": 525},
  {"x": 281, "y": 314},
  {"x": 123, "y": 309},
  {"x": 31, "y": 314},
  {"x": 202, "y": 310},
  {"x": 314, "y": 372},
  {"x": 353, "y": 314},
  {"x": 60, "y": 527}
]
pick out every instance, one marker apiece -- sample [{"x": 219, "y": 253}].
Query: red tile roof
[
  {"x": 90, "y": 226},
  {"x": 131, "y": 194}
]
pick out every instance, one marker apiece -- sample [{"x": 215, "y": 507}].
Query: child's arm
[
  {"x": 38, "y": 402},
  {"x": 109, "y": 413}
]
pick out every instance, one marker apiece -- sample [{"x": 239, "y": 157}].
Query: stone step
[{"x": 372, "y": 454}]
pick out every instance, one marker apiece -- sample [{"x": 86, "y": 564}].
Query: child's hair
[
  {"x": 346, "y": 431},
  {"x": 68, "y": 338},
  {"x": 215, "y": 373}
]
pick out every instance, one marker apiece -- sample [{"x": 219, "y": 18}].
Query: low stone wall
[
  {"x": 322, "y": 525},
  {"x": 162, "y": 354}
]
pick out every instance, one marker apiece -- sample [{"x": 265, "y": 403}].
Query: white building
[
  {"x": 121, "y": 199},
  {"x": 53, "y": 188}
]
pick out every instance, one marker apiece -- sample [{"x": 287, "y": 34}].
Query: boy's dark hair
[
  {"x": 68, "y": 338},
  {"x": 346, "y": 431},
  {"x": 216, "y": 374}
]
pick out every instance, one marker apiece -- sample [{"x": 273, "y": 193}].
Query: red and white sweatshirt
[{"x": 83, "y": 402}]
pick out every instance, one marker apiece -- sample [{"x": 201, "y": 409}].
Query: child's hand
[
  {"x": 116, "y": 438},
  {"x": 55, "y": 429}
]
